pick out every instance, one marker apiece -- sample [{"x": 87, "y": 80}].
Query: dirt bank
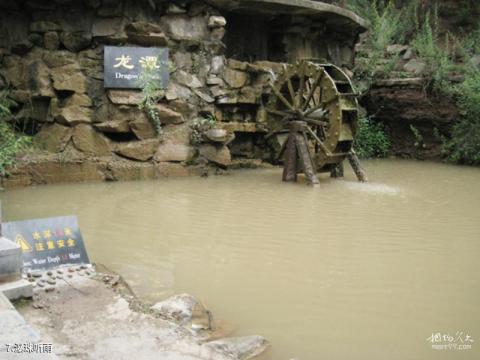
[{"x": 88, "y": 315}]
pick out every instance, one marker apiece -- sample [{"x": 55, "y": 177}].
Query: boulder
[
  {"x": 218, "y": 34},
  {"x": 183, "y": 60},
  {"x": 69, "y": 78},
  {"x": 218, "y": 135},
  {"x": 216, "y": 21},
  {"x": 186, "y": 108},
  {"x": 78, "y": 100},
  {"x": 204, "y": 96},
  {"x": 234, "y": 78},
  {"x": 55, "y": 59},
  {"x": 53, "y": 137},
  {"x": 142, "y": 27},
  {"x": 44, "y": 26},
  {"x": 415, "y": 66},
  {"x": 175, "y": 9},
  {"x": 51, "y": 40},
  {"x": 138, "y": 150},
  {"x": 150, "y": 39},
  {"x": 125, "y": 170},
  {"x": 184, "y": 309},
  {"x": 176, "y": 91},
  {"x": 66, "y": 171},
  {"x": 143, "y": 128},
  {"x": 217, "y": 65},
  {"x": 168, "y": 169},
  {"x": 177, "y": 134},
  {"x": 76, "y": 41},
  {"x": 168, "y": 151},
  {"x": 145, "y": 33},
  {"x": 88, "y": 140},
  {"x": 72, "y": 115},
  {"x": 183, "y": 27},
  {"x": 219, "y": 155},
  {"x": 38, "y": 78},
  {"x": 188, "y": 80},
  {"x": 240, "y": 348},
  {"x": 115, "y": 126},
  {"x": 125, "y": 97},
  {"x": 237, "y": 65},
  {"x": 168, "y": 116},
  {"x": 214, "y": 80}
]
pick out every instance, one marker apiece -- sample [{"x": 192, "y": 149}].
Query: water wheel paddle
[{"x": 317, "y": 105}]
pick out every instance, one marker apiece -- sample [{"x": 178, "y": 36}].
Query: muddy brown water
[{"x": 345, "y": 271}]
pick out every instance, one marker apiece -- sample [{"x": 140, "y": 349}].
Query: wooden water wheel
[{"x": 317, "y": 105}]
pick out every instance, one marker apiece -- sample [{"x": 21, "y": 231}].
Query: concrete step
[
  {"x": 17, "y": 289},
  {"x": 14, "y": 330},
  {"x": 10, "y": 259}
]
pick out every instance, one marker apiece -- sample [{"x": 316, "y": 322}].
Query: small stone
[
  {"x": 40, "y": 284},
  {"x": 217, "y": 135},
  {"x": 31, "y": 279},
  {"x": 49, "y": 273},
  {"x": 49, "y": 289},
  {"x": 51, "y": 282},
  {"x": 60, "y": 277},
  {"x": 59, "y": 271},
  {"x": 87, "y": 273},
  {"x": 70, "y": 275},
  {"x": 37, "y": 274},
  {"x": 216, "y": 21},
  {"x": 71, "y": 269},
  {"x": 175, "y": 9}
]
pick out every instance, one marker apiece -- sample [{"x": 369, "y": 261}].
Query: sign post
[
  {"x": 123, "y": 66},
  {"x": 48, "y": 243}
]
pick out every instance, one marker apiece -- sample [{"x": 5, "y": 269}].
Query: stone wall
[{"x": 51, "y": 57}]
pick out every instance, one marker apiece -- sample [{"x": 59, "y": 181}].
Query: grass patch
[{"x": 11, "y": 143}]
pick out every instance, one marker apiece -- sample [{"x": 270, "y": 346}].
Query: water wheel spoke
[
  {"x": 283, "y": 114},
  {"x": 312, "y": 90},
  {"x": 282, "y": 98},
  {"x": 301, "y": 86},
  {"x": 312, "y": 110},
  {"x": 290, "y": 89},
  {"x": 316, "y": 122},
  {"x": 319, "y": 142}
]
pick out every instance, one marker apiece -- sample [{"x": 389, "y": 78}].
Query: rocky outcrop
[
  {"x": 185, "y": 310},
  {"x": 414, "y": 120},
  {"x": 240, "y": 348}
]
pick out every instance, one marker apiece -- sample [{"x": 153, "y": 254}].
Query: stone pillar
[{"x": 10, "y": 260}]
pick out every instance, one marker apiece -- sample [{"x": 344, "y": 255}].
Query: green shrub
[
  {"x": 199, "y": 126},
  {"x": 10, "y": 143},
  {"x": 388, "y": 25},
  {"x": 464, "y": 145},
  {"x": 438, "y": 59},
  {"x": 371, "y": 140},
  {"x": 150, "y": 90}
]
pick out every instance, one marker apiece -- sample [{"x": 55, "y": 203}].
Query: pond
[{"x": 344, "y": 271}]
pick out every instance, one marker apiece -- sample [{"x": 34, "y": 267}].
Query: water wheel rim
[{"x": 305, "y": 90}]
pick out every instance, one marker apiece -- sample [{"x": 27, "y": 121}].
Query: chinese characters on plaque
[
  {"x": 124, "y": 65},
  {"x": 48, "y": 243}
]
